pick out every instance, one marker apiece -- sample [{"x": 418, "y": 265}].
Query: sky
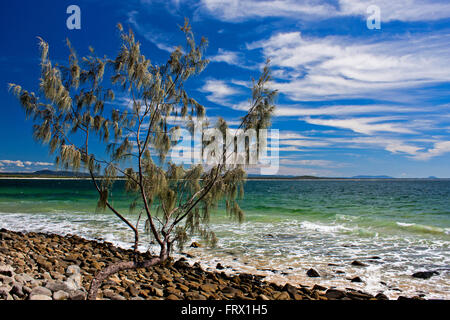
[{"x": 352, "y": 100}]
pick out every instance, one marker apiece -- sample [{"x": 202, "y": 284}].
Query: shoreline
[{"x": 39, "y": 264}]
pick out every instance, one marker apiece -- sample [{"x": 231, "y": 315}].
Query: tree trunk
[{"x": 116, "y": 267}]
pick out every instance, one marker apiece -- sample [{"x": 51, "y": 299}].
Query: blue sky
[{"x": 352, "y": 100}]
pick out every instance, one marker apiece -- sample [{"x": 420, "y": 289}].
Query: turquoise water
[{"x": 290, "y": 226}]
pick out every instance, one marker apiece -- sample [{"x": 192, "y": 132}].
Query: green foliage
[{"x": 75, "y": 108}]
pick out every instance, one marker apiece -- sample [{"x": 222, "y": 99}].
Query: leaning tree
[{"x": 75, "y": 109}]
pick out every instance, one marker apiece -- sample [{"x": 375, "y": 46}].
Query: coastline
[{"x": 40, "y": 266}]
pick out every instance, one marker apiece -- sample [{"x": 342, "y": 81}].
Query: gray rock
[
  {"x": 7, "y": 279},
  {"x": 6, "y": 270},
  {"x": 4, "y": 292},
  {"x": 358, "y": 264},
  {"x": 41, "y": 291},
  {"x": 17, "y": 289},
  {"x": 61, "y": 295},
  {"x": 312, "y": 273},
  {"x": 73, "y": 269},
  {"x": 334, "y": 294},
  {"x": 424, "y": 274},
  {"x": 117, "y": 297},
  {"x": 40, "y": 297},
  {"x": 74, "y": 282},
  {"x": 77, "y": 295},
  {"x": 137, "y": 298},
  {"x": 58, "y": 286},
  {"x": 27, "y": 290}
]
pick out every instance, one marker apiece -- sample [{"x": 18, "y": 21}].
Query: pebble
[{"x": 39, "y": 266}]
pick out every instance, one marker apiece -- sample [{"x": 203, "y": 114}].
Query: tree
[{"x": 71, "y": 112}]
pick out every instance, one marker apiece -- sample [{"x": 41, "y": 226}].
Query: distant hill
[
  {"x": 45, "y": 173},
  {"x": 372, "y": 177}
]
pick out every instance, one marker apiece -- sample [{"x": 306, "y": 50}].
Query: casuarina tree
[{"x": 75, "y": 114}]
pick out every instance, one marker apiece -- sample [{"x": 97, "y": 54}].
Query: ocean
[{"x": 395, "y": 227}]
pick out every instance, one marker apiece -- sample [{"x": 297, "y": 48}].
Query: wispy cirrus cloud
[
  {"x": 218, "y": 91},
  {"x": 339, "y": 67},
  {"x": 366, "y": 125},
  {"x": 399, "y": 10}
]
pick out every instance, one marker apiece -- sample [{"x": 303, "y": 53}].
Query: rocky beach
[{"x": 38, "y": 266}]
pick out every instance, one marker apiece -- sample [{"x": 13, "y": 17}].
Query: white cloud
[
  {"x": 226, "y": 56},
  {"x": 339, "y": 110},
  {"x": 154, "y": 36},
  {"x": 438, "y": 149},
  {"x": 399, "y": 10},
  {"x": 363, "y": 125},
  {"x": 311, "y": 163},
  {"x": 218, "y": 91},
  {"x": 345, "y": 67},
  {"x": 238, "y": 10},
  {"x": 22, "y": 164}
]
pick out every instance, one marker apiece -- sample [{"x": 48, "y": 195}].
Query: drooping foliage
[{"x": 76, "y": 109}]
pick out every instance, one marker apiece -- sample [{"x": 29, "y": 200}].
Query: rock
[
  {"x": 358, "y": 264},
  {"x": 208, "y": 287},
  {"x": 312, "y": 273},
  {"x": 172, "y": 297},
  {"x": 6, "y": 270},
  {"x": 282, "y": 296},
  {"x": 319, "y": 288},
  {"x": 117, "y": 297},
  {"x": 196, "y": 245},
  {"x": 181, "y": 264},
  {"x": 219, "y": 267},
  {"x": 73, "y": 269},
  {"x": 424, "y": 274},
  {"x": 74, "y": 282},
  {"x": 157, "y": 292},
  {"x": 7, "y": 280},
  {"x": 58, "y": 286},
  {"x": 40, "y": 297},
  {"x": 195, "y": 295},
  {"x": 77, "y": 295},
  {"x": 263, "y": 297},
  {"x": 356, "y": 279},
  {"x": 4, "y": 292},
  {"x": 290, "y": 289},
  {"x": 334, "y": 294},
  {"x": 23, "y": 278},
  {"x": 381, "y": 296},
  {"x": 357, "y": 295},
  {"x": 41, "y": 291},
  {"x": 61, "y": 295},
  {"x": 17, "y": 289}
]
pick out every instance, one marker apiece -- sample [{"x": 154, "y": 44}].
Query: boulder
[
  {"x": 219, "y": 267},
  {"x": 61, "y": 295},
  {"x": 357, "y": 263},
  {"x": 58, "y": 286},
  {"x": 334, "y": 294},
  {"x": 40, "y": 297},
  {"x": 77, "y": 295},
  {"x": 356, "y": 279},
  {"x": 41, "y": 291},
  {"x": 73, "y": 269},
  {"x": 6, "y": 270},
  {"x": 312, "y": 273},
  {"x": 424, "y": 274}
]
